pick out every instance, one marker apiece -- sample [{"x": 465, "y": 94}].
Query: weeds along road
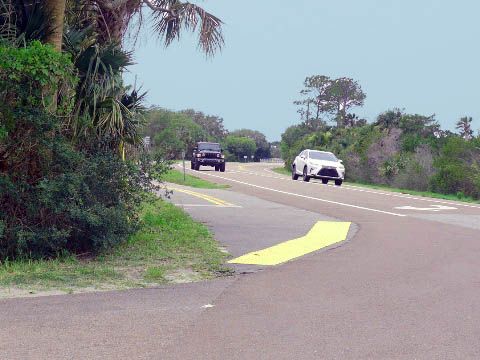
[{"x": 407, "y": 286}]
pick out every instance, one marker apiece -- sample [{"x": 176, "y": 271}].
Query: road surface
[{"x": 406, "y": 285}]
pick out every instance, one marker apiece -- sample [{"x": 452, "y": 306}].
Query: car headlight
[
  {"x": 222, "y": 156},
  {"x": 218, "y": 155},
  {"x": 199, "y": 155}
]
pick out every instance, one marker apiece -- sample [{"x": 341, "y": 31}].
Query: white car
[{"x": 320, "y": 165}]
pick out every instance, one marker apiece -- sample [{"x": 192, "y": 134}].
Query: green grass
[
  {"x": 170, "y": 247},
  {"x": 155, "y": 273},
  {"x": 284, "y": 171},
  {"x": 176, "y": 177},
  {"x": 64, "y": 272}
]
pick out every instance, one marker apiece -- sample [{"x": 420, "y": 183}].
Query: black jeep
[{"x": 208, "y": 154}]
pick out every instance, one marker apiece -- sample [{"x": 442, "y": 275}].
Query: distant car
[
  {"x": 319, "y": 165},
  {"x": 208, "y": 154}
]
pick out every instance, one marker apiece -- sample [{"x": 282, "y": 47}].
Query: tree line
[
  {"x": 174, "y": 133},
  {"x": 408, "y": 151}
]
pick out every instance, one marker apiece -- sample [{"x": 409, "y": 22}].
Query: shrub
[
  {"x": 76, "y": 201},
  {"x": 35, "y": 76},
  {"x": 457, "y": 169},
  {"x": 56, "y": 196}
]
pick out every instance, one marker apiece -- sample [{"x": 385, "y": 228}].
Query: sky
[{"x": 417, "y": 55}]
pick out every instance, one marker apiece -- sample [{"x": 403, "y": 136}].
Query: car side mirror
[{"x": 340, "y": 161}]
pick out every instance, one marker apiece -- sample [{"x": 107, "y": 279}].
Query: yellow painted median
[
  {"x": 323, "y": 234},
  {"x": 206, "y": 197}
]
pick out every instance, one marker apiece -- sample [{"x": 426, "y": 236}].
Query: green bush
[
  {"x": 229, "y": 157},
  {"x": 410, "y": 143},
  {"x": 75, "y": 201},
  {"x": 35, "y": 76},
  {"x": 457, "y": 169},
  {"x": 413, "y": 176},
  {"x": 55, "y": 195}
]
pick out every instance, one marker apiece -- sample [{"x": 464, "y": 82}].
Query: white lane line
[
  {"x": 360, "y": 189},
  {"x": 433, "y": 208},
  {"x": 307, "y": 197}
]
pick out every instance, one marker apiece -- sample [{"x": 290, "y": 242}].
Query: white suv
[{"x": 320, "y": 165}]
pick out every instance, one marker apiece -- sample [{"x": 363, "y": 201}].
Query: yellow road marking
[
  {"x": 209, "y": 198},
  {"x": 323, "y": 233}
]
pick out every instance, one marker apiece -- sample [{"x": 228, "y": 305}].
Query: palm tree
[
  {"x": 465, "y": 127},
  {"x": 113, "y": 112},
  {"x": 113, "y": 17},
  {"x": 57, "y": 9}
]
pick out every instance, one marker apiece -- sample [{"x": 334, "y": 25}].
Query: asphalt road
[{"x": 405, "y": 286}]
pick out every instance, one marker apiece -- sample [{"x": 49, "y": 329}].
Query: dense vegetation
[
  {"x": 73, "y": 171},
  {"x": 408, "y": 151}
]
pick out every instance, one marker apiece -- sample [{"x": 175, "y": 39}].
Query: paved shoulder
[{"x": 248, "y": 225}]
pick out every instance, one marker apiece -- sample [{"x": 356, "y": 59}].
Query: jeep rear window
[{"x": 214, "y": 147}]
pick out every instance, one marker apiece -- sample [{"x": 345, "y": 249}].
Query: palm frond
[
  {"x": 119, "y": 119},
  {"x": 76, "y": 41},
  {"x": 185, "y": 15}
]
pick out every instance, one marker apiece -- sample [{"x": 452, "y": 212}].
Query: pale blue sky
[{"x": 421, "y": 55}]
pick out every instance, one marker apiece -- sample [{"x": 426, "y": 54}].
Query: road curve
[{"x": 406, "y": 287}]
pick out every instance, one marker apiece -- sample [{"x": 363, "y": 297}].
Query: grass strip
[
  {"x": 170, "y": 248},
  {"x": 176, "y": 177},
  {"x": 428, "y": 194}
]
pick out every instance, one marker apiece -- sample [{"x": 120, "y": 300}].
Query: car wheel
[
  {"x": 222, "y": 168},
  {"x": 294, "y": 173},
  {"x": 217, "y": 168},
  {"x": 197, "y": 167},
  {"x": 324, "y": 181},
  {"x": 192, "y": 166},
  {"x": 306, "y": 178},
  {"x": 338, "y": 182}
]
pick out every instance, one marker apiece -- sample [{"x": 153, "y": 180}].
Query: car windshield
[
  {"x": 316, "y": 155},
  {"x": 209, "y": 146}
]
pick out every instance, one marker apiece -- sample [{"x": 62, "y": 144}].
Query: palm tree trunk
[{"x": 58, "y": 12}]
